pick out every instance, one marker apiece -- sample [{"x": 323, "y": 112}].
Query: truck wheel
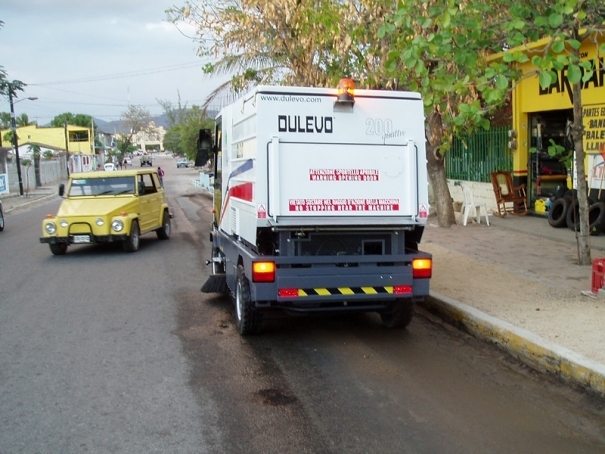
[
  {"x": 131, "y": 244},
  {"x": 248, "y": 318},
  {"x": 400, "y": 315},
  {"x": 164, "y": 231},
  {"x": 58, "y": 248}
]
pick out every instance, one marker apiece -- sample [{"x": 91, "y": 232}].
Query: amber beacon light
[{"x": 346, "y": 91}]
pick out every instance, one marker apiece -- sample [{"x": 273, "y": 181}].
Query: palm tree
[
  {"x": 23, "y": 120},
  {"x": 35, "y": 151}
]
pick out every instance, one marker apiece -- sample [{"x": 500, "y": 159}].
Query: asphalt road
[{"x": 105, "y": 351}]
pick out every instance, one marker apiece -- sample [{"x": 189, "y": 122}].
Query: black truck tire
[
  {"x": 557, "y": 215},
  {"x": 596, "y": 218},
  {"x": 248, "y": 318},
  {"x": 573, "y": 214},
  {"x": 400, "y": 315}
]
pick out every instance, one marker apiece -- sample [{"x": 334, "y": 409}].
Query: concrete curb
[
  {"x": 529, "y": 348},
  {"x": 33, "y": 199}
]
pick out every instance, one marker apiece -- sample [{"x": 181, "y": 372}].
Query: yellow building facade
[
  {"x": 542, "y": 116},
  {"x": 74, "y": 139}
]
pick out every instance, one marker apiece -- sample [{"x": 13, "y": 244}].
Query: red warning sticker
[
  {"x": 343, "y": 174},
  {"x": 261, "y": 212},
  {"x": 341, "y": 205}
]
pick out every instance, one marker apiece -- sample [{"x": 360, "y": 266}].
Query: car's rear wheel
[
  {"x": 58, "y": 248},
  {"x": 164, "y": 231},
  {"x": 131, "y": 244}
]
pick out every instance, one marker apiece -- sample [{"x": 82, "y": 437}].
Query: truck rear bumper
[{"x": 328, "y": 306}]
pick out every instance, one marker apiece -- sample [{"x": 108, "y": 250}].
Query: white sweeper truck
[{"x": 320, "y": 202}]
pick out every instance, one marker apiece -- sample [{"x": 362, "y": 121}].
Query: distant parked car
[
  {"x": 109, "y": 167},
  {"x": 1, "y": 217},
  {"x": 182, "y": 162}
]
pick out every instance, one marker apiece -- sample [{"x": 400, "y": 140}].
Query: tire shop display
[{"x": 564, "y": 212}]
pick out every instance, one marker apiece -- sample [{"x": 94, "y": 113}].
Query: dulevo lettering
[{"x": 308, "y": 124}]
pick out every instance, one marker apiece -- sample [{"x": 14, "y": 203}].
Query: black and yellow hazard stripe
[{"x": 344, "y": 291}]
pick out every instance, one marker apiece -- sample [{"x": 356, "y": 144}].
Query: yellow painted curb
[{"x": 530, "y": 348}]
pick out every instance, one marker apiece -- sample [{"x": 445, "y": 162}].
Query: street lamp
[{"x": 14, "y": 129}]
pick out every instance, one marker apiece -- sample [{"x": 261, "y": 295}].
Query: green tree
[
  {"x": 172, "y": 140},
  {"x": 9, "y": 89},
  {"x": 175, "y": 114},
  {"x": 5, "y": 120},
  {"x": 438, "y": 48},
  {"x": 23, "y": 120},
  {"x": 285, "y": 42},
  {"x": 68, "y": 118},
  {"x": 566, "y": 24},
  {"x": 134, "y": 120},
  {"x": 36, "y": 153}
]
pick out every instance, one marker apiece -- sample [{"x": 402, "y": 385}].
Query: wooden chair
[{"x": 510, "y": 199}]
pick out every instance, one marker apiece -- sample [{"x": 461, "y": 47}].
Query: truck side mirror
[{"x": 61, "y": 190}]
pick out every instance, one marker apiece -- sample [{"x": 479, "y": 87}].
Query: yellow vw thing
[{"x": 102, "y": 207}]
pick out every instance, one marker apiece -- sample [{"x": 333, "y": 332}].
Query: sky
[{"x": 97, "y": 57}]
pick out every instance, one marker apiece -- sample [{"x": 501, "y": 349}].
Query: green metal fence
[{"x": 474, "y": 156}]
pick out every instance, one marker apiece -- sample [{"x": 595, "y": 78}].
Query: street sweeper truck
[{"x": 320, "y": 202}]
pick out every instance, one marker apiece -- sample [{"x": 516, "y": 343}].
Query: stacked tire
[{"x": 565, "y": 212}]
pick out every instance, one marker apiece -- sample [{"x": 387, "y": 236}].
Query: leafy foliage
[
  {"x": 287, "y": 41},
  {"x": 182, "y": 138},
  {"x": 134, "y": 120},
  {"x": 70, "y": 119}
]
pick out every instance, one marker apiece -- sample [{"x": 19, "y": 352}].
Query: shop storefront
[{"x": 542, "y": 117}]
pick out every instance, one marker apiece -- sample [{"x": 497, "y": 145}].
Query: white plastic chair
[{"x": 469, "y": 204}]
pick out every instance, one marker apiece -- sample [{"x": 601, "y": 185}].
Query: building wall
[
  {"x": 53, "y": 137},
  {"x": 50, "y": 172}
]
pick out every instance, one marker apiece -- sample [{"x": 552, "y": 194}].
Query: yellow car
[{"x": 102, "y": 207}]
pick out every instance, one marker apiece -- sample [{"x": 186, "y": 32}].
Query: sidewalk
[
  {"x": 515, "y": 283},
  {"x": 13, "y": 201}
]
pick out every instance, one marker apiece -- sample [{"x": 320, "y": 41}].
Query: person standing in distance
[{"x": 161, "y": 175}]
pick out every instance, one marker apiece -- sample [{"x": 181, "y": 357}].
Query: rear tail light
[
  {"x": 402, "y": 289},
  {"x": 422, "y": 268},
  {"x": 287, "y": 292},
  {"x": 263, "y": 272}
]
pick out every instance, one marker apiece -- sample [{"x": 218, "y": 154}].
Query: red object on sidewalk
[{"x": 598, "y": 274}]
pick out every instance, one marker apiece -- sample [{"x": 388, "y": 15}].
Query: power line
[{"x": 143, "y": 72}]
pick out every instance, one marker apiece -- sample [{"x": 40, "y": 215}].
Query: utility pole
[
  {"x": 15, "y": 140},
  {"x": 9, "y": 88}
]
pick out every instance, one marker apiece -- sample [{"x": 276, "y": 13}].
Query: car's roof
[{"x": 115, "y": 173}]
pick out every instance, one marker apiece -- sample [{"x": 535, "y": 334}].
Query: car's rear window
[{"x": 101, "y": 186}]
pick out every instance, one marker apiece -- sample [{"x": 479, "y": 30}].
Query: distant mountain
[{"x": 112, "y": 127}]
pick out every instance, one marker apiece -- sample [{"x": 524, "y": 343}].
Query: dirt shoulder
[{"x": 526, "y": 280}]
